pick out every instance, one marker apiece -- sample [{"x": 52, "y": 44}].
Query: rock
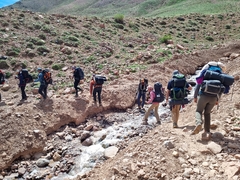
[
  {"x": 89, "y": 127},
  {"x": 233, "y": 145},
  {"x": 85, "y": 135},
  {"x": 230, "y": 169},
  {"x": 21, "y": 171},
  {"x": 56, "y": 156},
  {"x": 6, "y": 87},
  {"x": 214, "y": 147},
  {"x": 65, "y": 68},
  {"x": 175, "y": 154},
  {"x": 168, "y": 144},
  {"x": 87, "y": 142},
  {"x": 110, "y": 152},
  {"x": 42, "y": 162},
  {"x": 68, "y": 138}
]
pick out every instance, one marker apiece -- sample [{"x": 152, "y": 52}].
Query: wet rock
[
  {"x": 68, "y": 138},
  {"x": 233, "y": 145},
  {"x": 89, "y": 127},
  {"x": 110, "y": 152},
  {"x": 21, "y": 171},
  {"x": 85, "y": 135},
  {"x": 42, "y": 162},
  {"x": 87, "y": 142}
]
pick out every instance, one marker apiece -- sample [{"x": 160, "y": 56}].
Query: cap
[
  {"x": 39, "y": 69},
  {"x": 73, "y": 67},
  {"x": 175, "y": 72}
]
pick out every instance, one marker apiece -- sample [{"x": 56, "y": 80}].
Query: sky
[{"x": 7, "y": 2}]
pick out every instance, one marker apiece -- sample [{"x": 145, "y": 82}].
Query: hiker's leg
[
  {"x": 174, "y": 113},
  {"x": 143, "y": 99},
  {"x": 76, "y": 81},
  {"x": 23, "y": 92},
  {"x": 177, "y": 112},
  {"x": 99, "y": 95},
  {"x": 138, "y": 99},
  {"x": 201, "y": 104},
  {"x": 40, "y": 91},
  {"x": 45, "y": 90},
  {"x": 207, "y": 113},
  {"x": 148, "y": 112},
  {"x": 156, "y": 105},
  {"x": 94, "y": 95}
]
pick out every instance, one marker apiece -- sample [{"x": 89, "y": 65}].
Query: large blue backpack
[{"x": 159, "y": 95}]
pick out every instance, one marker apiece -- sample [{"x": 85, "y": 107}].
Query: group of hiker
[
  {"x": 211, "y": 83},
  {"x": 45, "y": 78}
]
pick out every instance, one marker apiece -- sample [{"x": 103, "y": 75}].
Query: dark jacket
[{"x": 22, "y": 81}]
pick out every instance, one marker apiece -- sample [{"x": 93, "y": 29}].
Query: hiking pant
[
  {"x": 175, "y": 113},
  {"x": 143, "y": 95},
  {"x": 76, "y": 82},
  {"x": 97, "y": 90},
  {"x": 206, "y": 104},
  {"x": 155, "y": 107},
  {"x": 43, "y": 91},
  {"x": 24, "y": 96}
]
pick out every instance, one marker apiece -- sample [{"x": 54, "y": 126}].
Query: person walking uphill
[
  {"x": 142, "y": 89},
  {"x": 177, "y": 90},
  {"x": 43, "y": 86},
  {"x": 156, "y": 96},
  {"x": 78, "y": 75},
  {"x": 207, "y": 94},
  {"x": 22, "y": 85}
]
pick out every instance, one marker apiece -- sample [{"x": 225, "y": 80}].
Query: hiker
[
  {"x": 207, "y": 94},
  {"x": 22, "y": 84},
  {"x": 178, "y": 99},
  {"x": 96, "y": 88},
  {"x": 155, "y": 99},
  {"x": 2, "y": 81},
  {"x": 142, "y": 89},
  {"x": 78, "y": 75},
  {"x": 43, "y": 85}
]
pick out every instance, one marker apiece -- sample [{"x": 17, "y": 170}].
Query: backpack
[
  {"x": 99, "y": 79},
  {"x": 214, "y": 81},
  {"x": 78, "y": 73},
  {"x": 2, "y": 78},
  {"x": 178, "y": 91},
  {"x": 47, "y": 76},
  {"x": 212, "y": 87},
  {"x": 26, "y": 76},
  {"x": 159, "y": 95}
]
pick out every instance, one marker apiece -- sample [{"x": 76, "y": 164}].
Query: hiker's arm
[
  {"x": 91, "y": 87},
  {"x": 167, "y": 95},
  {"x": 152, "y": 94},
  {"x": 189, "y": 87},
  {"x": 196, "y": 92},
  {"x": 38, "y": 79}
]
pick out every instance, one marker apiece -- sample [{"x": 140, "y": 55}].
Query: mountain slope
[{"x": 146, "y": 8}]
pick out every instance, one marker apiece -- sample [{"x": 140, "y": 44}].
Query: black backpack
[
  {"x": 99, "y": 79},
  {"x": 178, "y": 91},
  {"x": 2, "y": 78},
  {"x": 159, "y": 95},
  {"x": 26, "y": 76},
  {"x": 78, "y": 73}
]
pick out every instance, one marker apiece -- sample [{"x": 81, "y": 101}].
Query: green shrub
[
  {"x": 119, "y": 18},
  {"x": 165, "y": 38},
  {"x": 228, "y": 26},
  {"x": 8, "y": 74},
  {"x": 209, "y": 38},
  {"x": 73, "y": 38},
  {"x": 57, "y": 66}
]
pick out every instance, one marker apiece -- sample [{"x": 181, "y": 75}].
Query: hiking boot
[
  {"x": 159, "y": 122},
  {"x": 144, "y": 123},
  {"x": 143, "y": 110},
  {"x": 175, "y": 125},
  {"x": 206, "y": 136},
  {"x": 197, "y": 129},
  {"x": 76, "y": 95}
]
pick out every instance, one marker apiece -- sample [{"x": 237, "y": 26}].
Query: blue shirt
[{"x": 40, "y": 79}]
